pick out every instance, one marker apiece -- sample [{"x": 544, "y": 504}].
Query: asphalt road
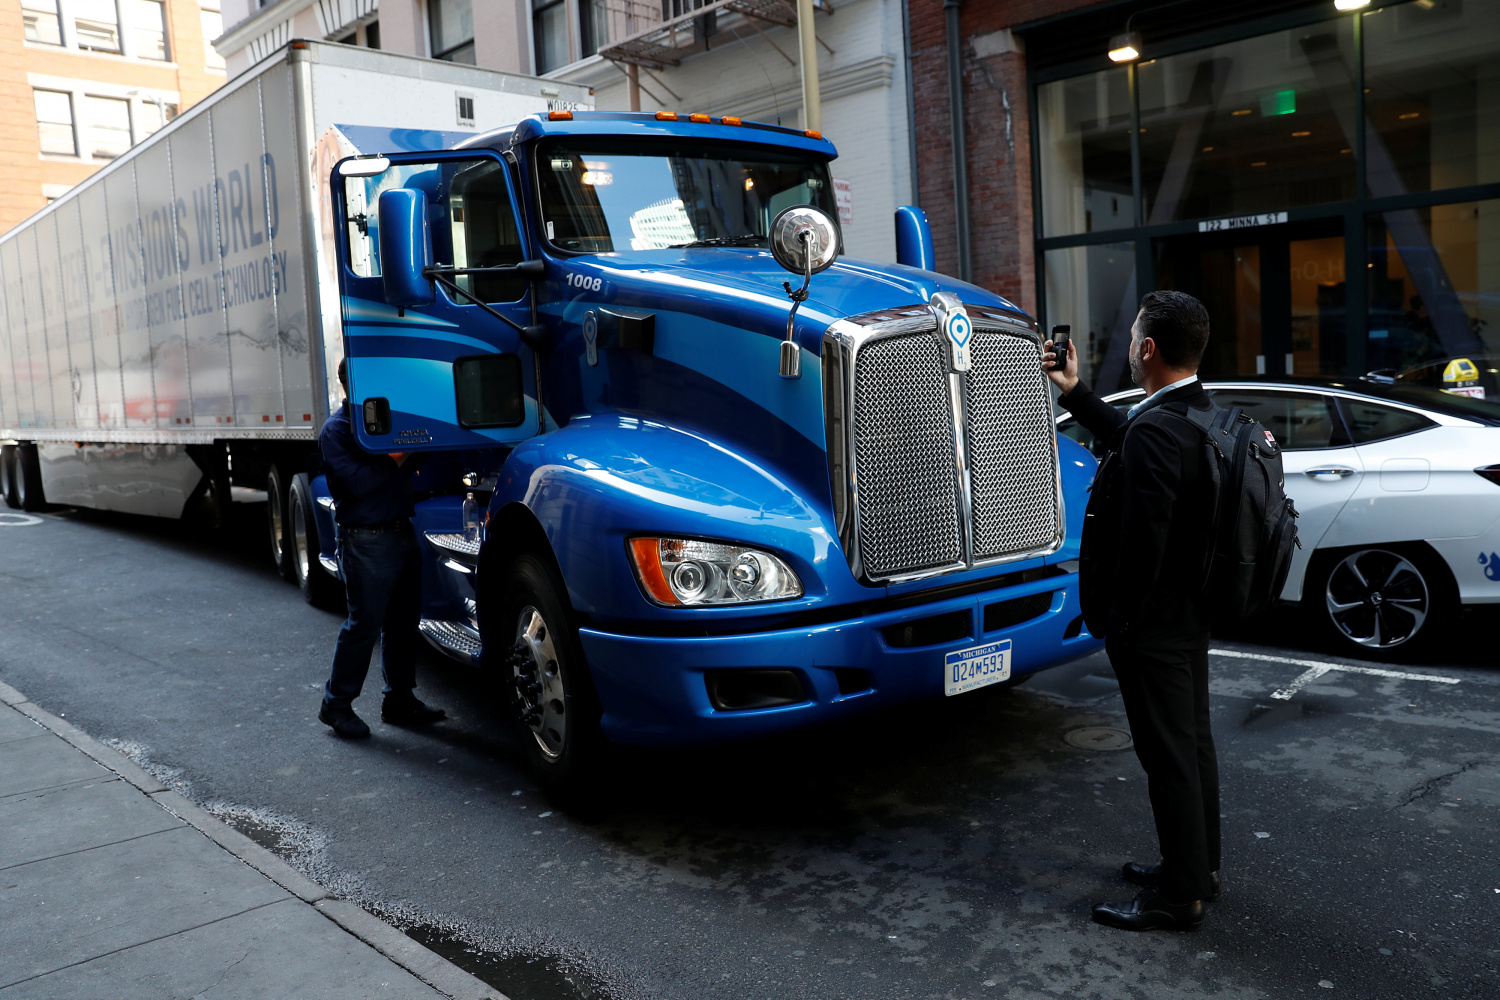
[{"x": 948, "y": 851}]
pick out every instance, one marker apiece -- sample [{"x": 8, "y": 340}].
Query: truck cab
[{"x": 703, "y": 507}]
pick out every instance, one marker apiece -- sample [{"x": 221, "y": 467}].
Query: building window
[
  {"x": 108, "y": 121},
  {"x": 54, "y": 122},
  {"x": 150, "y": 116},
  {"x": 549, "y": 25},
  {"x": 96, "y": 25},
  {"x": 41, "y": 21},
  {"x": 213, "y": 27},
  {"x": 1431, "y": 101},
  {"x": 451, "y": 23},
  {"x": 145, "y": 22},
  {"x": 1084, "y": 142}
]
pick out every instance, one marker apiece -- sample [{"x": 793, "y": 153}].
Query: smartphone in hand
[{"x": 1060, "y": 347}]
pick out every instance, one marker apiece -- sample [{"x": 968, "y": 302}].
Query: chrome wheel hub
[
  {"x": 538, "y": 682},
  {"x": 1377, "y": 598}
]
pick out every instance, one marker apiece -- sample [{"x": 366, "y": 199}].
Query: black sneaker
[
  {"x": 343, "y": 721},
  {"x": 407, "y": 710}
]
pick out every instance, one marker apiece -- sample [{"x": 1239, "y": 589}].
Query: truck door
[{"x": 438, "y": 362}]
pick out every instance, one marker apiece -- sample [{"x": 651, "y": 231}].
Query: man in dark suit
[{"x": 1146, "y": 537}]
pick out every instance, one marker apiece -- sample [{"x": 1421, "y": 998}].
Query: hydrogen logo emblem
[
  {"x": 1491, "y": 564},
  {"x": 959, "y": 330},
  {"x": 591, "y": 336}
]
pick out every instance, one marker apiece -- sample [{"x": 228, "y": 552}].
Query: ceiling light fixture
[
  {"x": 1350, "y": 4},
  {"x": 1125, "y": 48}
]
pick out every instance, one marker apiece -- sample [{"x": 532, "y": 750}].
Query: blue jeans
[{"x": 383, "y": 580}]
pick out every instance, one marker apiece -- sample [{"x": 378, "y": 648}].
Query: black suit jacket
[{"x": 1146, "y": 533}]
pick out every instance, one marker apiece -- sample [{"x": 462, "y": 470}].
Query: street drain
[
  {"x": 522, "y": 977},
  {"x": 1098, "y": 738}
]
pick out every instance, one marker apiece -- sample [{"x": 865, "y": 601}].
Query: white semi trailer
[{"x": 170, "y": 327}]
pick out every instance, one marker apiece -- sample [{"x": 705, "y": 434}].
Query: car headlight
[{"x": 682, "y": 571}]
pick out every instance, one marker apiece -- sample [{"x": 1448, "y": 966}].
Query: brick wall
[
  {"x": 21, "y": 162},
  {"x": 996, "y": 109}
]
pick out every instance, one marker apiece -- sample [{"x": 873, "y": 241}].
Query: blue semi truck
[{"x": 688, "y": 472}]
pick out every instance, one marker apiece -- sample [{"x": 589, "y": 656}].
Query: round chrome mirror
[{"x": 802, "y": 231}]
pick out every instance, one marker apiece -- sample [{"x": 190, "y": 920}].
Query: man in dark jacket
[
  {"x": 382, "y": 570},
  {"x": 1146, "y": 536}
]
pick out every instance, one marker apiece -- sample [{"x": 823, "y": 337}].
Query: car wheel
[
  {"x": 278, "y": 530},
  {"x": 1381, "y": 602},
  {"x": 554, "y": 708},
  {"x": 320, "y": 588}
]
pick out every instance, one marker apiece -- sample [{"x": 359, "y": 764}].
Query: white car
[{"x": 1398, "y": 491}]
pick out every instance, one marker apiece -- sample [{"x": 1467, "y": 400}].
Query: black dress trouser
[{"x": 1166, "y": 700}]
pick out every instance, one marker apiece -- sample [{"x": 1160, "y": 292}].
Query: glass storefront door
[{"x": 1274, "y": 294}]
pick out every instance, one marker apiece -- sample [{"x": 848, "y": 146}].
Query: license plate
[{"x": 975, "y": 667}]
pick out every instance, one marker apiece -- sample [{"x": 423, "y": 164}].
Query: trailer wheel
[
  {"x": 8, "y": 476},
  {"x": 277, "y": 527},
  {"x": 27, "y": 477},
  {"x": 319, "y": 587},
  {"x": 554, "y": 708}
]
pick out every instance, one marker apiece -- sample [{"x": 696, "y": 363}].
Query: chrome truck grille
[{"x": 935, "y": 470}]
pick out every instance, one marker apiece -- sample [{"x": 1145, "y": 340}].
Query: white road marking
[
  {"x": 1317, "y": 668},
  {"x": 9, "y": 520}
]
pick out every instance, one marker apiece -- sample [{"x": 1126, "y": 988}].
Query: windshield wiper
[{"x": 748, "y": 240}]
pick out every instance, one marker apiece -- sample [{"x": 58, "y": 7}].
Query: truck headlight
[{"x": 682, "y": 571}]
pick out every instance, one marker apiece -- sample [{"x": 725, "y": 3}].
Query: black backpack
[{"x": 1255, "y": 522}]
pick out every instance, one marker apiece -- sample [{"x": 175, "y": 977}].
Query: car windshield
[{"x": 604, "y": 195}]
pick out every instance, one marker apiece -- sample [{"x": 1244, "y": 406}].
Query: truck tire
[
  {"x": 278, "y": 530},
  {"x": 27, "y": 477},
  {"x": 8, "y": 477},
  {"x": 554, "y": 710},
  {"x": 319, "y": 588}
]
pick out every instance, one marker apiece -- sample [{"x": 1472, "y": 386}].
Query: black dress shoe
[
  {"x": 343, "y": 721},
  {"x": 1149, "y": 876},
  {"x": 1151, "y": 912},
  {"x": 407, "y": 710}
]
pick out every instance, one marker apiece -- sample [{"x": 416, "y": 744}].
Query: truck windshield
[{"x": 602, "y": 195}]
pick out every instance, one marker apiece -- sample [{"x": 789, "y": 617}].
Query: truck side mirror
[
  {"x": 405, "y": 248},
  {"x": 914, "y": 239}
]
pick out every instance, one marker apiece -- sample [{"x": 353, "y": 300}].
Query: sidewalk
[{"x": 113, "y": 885}]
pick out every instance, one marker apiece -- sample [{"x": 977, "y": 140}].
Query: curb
[{"x": 427, "y": 965}]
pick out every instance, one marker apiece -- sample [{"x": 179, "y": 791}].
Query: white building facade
[{"x": 721, "y": 57}]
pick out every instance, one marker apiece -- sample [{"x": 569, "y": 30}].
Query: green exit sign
[{"x": 1283, "y": 102}]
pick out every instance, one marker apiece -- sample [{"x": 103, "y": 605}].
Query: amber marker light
[
  {"x": 730, "y": 120},
  {"x": 666, "y": 116},
  {"x": 812, "y": 133},
  {"x": 559, "y": 116},
  {"x": 646, "y": 554},
  {"x": 700, "y": 119}
]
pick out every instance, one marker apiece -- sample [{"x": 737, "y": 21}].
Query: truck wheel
[
  {"x": 319, "y": 588},
  {"x": 276, "y": 523},
  {"x": 8, "y": 476},
  {"x": 555, "y": 709},
  {"x": 1383, "y": 603},
  {"x": 27, "y": 479}
]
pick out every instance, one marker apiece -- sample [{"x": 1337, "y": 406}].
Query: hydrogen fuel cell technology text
[{"x": 693, "y": 474}]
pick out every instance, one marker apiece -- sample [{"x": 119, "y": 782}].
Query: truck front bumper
[{"x": 654, "y": 689}]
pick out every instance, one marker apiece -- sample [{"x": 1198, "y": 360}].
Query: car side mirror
[
  {"x": 914, "y": 239},
  {"x": 405, "y": 248}
]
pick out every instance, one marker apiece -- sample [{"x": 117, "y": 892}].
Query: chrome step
[
  {"x": 329, "y": 563},
  {"x": 454, "y": 543},
  {"x": 459, "y": 641}
]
